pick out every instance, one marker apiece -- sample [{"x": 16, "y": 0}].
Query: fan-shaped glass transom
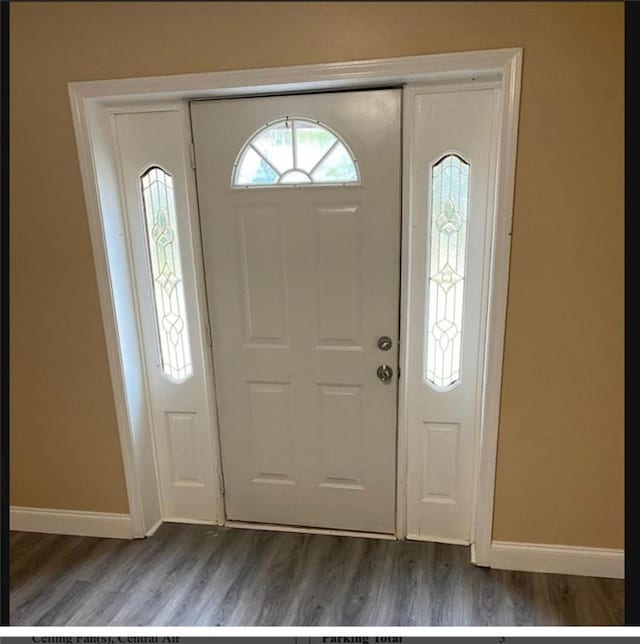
[{"x": 295, "y": 151}]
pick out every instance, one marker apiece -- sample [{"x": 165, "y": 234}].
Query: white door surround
[{"x": 93, "y": 106}]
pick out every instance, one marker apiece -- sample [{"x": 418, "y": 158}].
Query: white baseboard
[
  {"x": 86, "y": 524},
  {"x": 189, "y": 521},
  {"x": 153, "y": 529},
  {"x": 504, "y": 555},
  {"x": 566, "y": 560}
]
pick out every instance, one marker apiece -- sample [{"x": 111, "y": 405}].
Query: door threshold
[{"x": 306, "y": 530}]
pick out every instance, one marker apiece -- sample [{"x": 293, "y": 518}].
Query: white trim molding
[
  {"x": 565, "y": 560},
  {"x": 154, "y": 528},
  {"x": 72, "y": 522},
  {"x": 487, "y": 446}
]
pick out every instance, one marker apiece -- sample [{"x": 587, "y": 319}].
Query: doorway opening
[{"x": 174, "y": 470}]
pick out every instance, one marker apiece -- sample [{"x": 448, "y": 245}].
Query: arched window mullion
[
  {"x": 294, "y": 145},
  {"x": 294, "y": 171},
  {"x": 255, "y": 149},
  {"x": 324, "y": 156}
]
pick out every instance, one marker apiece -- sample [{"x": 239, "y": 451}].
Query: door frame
[{"x": 93, "y": 104}]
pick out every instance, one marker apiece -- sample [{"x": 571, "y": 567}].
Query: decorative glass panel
[
  {"x": 295, "y": 152},
  {"x": 446, "y": 270},
  {"x": 166, "y": 271}
]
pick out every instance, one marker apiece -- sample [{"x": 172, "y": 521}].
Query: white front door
[{"x": 300, "y": 213}]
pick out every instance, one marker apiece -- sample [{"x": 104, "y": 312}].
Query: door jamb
[{"x": 89, "y": 104}]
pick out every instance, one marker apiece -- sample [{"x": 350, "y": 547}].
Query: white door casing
[
  {"x": 444, "y": 421},
  {"x": 91, "y": 104},
  {"x": 302, "y": 281}
]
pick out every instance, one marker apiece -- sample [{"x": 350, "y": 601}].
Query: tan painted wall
[{"x": 560, "y": 465}]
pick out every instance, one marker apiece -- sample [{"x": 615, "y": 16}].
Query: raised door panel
[
  {"x": 184, "y": 450},
  {"x": 341, "y": 436},
  {"x": 271, "y": 439},
  {"x": 338, "y": 275},
  {"x": 263, "y": 268}
]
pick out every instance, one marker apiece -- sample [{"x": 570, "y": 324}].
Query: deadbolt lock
[{"x": 385, "y": 373}]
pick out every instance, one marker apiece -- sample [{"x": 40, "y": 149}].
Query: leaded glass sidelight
[
  {"x": 446, "y": 270},
  {"x": 166, "y": 272},
  {"x": 295, "y": 151}
]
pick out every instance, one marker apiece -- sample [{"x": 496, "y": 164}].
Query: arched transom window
[{"x": 295, "y": 151}]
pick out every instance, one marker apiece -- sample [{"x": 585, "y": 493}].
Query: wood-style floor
[{"x": 211, "y": 576}]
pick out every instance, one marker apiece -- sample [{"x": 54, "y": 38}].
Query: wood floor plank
[
  {"x": 62, "y": 557},
  {"x": 99, "y": 607},
  {"x": 66, "y": 605},
  {"x": 31, "y": 606},
  {"x": 359, "y": 603},
  {"x": 238, "y": 578},
  {"x": 209, "y": 556},
  {"x": 305, "y": 604},
  {"x": 328, "y": 587},
  {"x": 29, "y": 554},
  {"x": 276, "y": 584},
  {"x": 215, "y": 574},
  {"x": 404, "y": 594},
  {"x": 194, "y": 575}
]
